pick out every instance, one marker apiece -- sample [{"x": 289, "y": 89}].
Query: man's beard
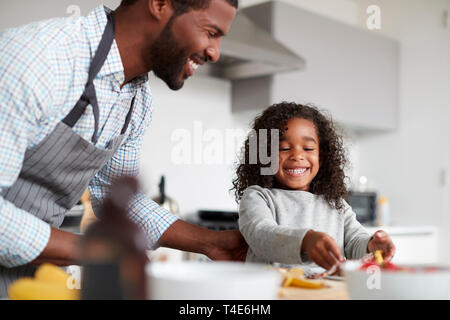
[{"x": 168, "y": 58}]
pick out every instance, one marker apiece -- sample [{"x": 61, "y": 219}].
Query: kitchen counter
[{"x": 405, "y": 230}]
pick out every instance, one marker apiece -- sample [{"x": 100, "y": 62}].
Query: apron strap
[
  {"x": 128, "y": 118},
  {"x": 89, "y": 95}
]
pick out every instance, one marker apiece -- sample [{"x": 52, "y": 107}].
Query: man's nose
[{"x": 213, "y": 52}]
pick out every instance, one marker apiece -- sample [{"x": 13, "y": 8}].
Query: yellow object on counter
[
  {"x": 49, "y": 283},
  {"x": 50, "y": 273},
  {"x": 296, "y": 277},
  {"x": 304, "y": 283}
]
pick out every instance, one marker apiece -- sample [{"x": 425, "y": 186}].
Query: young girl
[{"x": 298, "y": 216}]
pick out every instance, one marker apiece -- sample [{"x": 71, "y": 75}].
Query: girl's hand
[
  {"x": 321, "y": 249},
  {"x": 381, "y": 241}
]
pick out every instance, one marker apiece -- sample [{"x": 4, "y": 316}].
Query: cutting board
[{"x": 333, "y": 290}]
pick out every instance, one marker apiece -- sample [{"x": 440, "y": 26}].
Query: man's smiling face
[{"x": 190, "y": 40}]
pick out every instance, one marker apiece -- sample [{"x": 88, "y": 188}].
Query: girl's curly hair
[{"x": 329, "y": 181}]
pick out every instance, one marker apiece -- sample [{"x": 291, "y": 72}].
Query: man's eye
[
  {"x": 308, "y": 149},
  {"x": 284, "y": 149},
  {"x": 211, "y": 34}
]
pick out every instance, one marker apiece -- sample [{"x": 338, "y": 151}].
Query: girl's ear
[{"x": 161, "y": 10}]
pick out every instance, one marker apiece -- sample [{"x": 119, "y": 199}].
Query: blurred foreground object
[
  {"x": 49, "y": 283},
  {"x": 219, "y": 280},
  {"x": 114, "y": 250}
]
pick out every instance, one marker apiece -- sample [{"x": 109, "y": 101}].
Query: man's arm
[
  {"x": 25, "y": 92},
  {"x": 161, "y": 227},
  {"x": 148, "y": 215},
  {"x": 62, "y": 249},
  {"x": 222, "y": 245}
]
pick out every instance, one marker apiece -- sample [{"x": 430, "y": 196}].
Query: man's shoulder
[
  {"x": 40, "y": 41},
  {"x": 33, "y": 60}
]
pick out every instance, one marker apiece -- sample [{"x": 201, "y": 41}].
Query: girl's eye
[
  {"x": 309, "y": 149},
  {"x": 284, "y": 149}
]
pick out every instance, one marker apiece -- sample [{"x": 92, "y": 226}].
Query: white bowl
[
  {"x": 190, "y": 280},
  {"x": 379, "y": 284}
]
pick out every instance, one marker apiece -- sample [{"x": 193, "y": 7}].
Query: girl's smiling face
[{"x": 299, "y": 155}]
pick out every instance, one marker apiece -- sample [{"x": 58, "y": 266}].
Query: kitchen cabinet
[
  {"x": 414, "y": 245},
  {"x": 350, "y": 71}
]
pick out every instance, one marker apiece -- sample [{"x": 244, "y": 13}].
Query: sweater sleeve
[
  {"x": 265, "y": 237},
  {"x": 356, "y": 238}
]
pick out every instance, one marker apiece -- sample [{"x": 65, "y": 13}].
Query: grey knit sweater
[{"x": 274, "y": 222}]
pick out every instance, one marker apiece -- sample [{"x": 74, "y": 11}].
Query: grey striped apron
[{"x": 56, "y": 172}]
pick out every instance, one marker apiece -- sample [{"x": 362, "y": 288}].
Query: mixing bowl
[
  {"x": 412, "y": 282},
  {"x": 191, "y": 280}
]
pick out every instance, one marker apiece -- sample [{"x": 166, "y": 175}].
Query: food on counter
[
  {"x": 50, "y": 273},
  {"x": 49, "y": 283},
  {"x": 303, "y": 283},
  {"x": 376, "y": 259},
  {"x": 335, "y": 271},
  {"x": 32, "y": 289},
  {"x": 295, "y": 277}
]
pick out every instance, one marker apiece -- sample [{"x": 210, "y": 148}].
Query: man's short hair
[{"x": 183, "y": 6}]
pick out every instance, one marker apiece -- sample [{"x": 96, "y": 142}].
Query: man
[{"x": 74, "y": 106}]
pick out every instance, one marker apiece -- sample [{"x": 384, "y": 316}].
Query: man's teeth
[
  {"x": 296, "y": 171},
  {"x": 193, "y": 65}
]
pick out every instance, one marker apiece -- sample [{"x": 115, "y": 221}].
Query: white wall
[
  {"x": 201, "y": 106},
  {"x": 409, "y": 165},
  {"x": 19, "y": 12}
]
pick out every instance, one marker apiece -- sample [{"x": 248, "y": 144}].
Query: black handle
[{"x": 162, "y": 186}]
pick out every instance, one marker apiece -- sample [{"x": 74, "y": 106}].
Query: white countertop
[{"x": 405, "y": 230}]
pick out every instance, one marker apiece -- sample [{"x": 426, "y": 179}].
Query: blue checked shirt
[{"x": 43, "y": 70}]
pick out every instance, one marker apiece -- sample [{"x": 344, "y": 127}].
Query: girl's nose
[{"x": 297, "y": 155}]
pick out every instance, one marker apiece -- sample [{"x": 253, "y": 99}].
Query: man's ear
[{"x": 161, "y": 10}]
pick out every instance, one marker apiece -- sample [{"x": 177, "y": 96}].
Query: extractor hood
[{"x": 249, "y": 51}]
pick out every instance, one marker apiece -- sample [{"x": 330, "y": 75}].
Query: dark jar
[{"x": 113, "y": 250}]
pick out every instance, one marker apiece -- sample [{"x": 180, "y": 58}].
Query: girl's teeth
[{"x": 297, "y": 171}]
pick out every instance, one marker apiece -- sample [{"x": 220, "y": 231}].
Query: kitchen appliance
[
  {"x": 364, "y": 204},
  {"x": 215, "y": 219},
  {"x": 249, "y": 50},
  {"x": 163, "y": 200}
]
